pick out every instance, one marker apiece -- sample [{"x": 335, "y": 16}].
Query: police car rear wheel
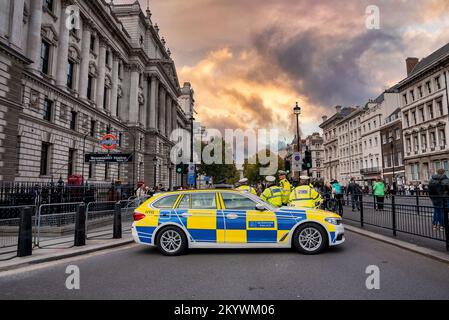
[
  {"x": 171, "y": 241},
  {"x": 310, "y": 239}
]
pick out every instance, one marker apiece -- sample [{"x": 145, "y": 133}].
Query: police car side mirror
[{"x": 260, "y": 207}]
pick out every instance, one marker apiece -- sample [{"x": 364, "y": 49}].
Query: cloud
[
  {"x": 249, "y": 61},
  {"x": 328, "y": 69}
]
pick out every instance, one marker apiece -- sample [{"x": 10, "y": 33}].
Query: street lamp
[
  {"x": 155, "y": 170},
  {"x": 297, "y": 112},
  {"x": 191, "y": 144},
  {"x": 393, "y": 150}
]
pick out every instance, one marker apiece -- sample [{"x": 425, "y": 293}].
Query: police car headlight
[{"x": 334, "y": 221}]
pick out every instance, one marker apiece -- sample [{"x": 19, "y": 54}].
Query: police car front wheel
[
  {"x": 310, "y": 238},
  {"x": 171, "y": 241}
]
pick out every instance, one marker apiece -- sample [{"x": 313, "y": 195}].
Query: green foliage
[
  {"x": 220, "y": 173},
  {"x": 251, "y": 170}
]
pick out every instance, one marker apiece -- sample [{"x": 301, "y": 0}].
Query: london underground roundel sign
[{"x": 109, "y": 142}]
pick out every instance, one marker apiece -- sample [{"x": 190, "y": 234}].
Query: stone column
[
  {"x": 134, "y": 96},
  {"x": 168, "y": 115},
  {"x": 34, "y": 34},
  {"x": 174, "y": 115},
  {"x": 162, "y": 94},
  {"x": 154, "y": 92},
  {"x": 63, "y": 48},
  {"x": 101, "y": 73},
  {"x": 85, "y": 59},
  {"x": 17, "y": 24},
  {"x": 114, "y": 89}
]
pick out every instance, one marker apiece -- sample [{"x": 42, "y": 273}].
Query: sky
[{"x": 249, "y": 61}]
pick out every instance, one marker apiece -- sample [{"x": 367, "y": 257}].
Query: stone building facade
[
  {"x": 349, "y": 133},
  {"x": 315, "y": 144},
  {"x": 331, "y": 147},
  {"x": 425, "y": 121},
  {"x": 74, "y": 70},
  {"x": 393, "y": 149}
]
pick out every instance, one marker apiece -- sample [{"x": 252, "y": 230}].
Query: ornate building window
[{"x": 45, "y": 57}]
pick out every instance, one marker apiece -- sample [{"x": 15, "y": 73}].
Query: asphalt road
[{"x": 137, "y": 272}]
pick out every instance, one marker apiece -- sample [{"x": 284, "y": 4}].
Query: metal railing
[
  {"x": 99, "y": 219},
  {"x": 414, "y": 215},
  {"x": 28, "y": 193},
  {"x": 53, "y": 225},
  {"x": 9, "y": 227}
]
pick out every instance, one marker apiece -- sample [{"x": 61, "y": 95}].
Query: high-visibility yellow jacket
[
  {"x": 247, "y": 188},
  {"x": 286, "y": 189},
  {"x": 273, "y": 196},
  {"x": 305, "y": 196}
]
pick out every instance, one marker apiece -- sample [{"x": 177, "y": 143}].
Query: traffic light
[
  {"x": 307, "y": 163},
  {"x": 287, "y": 166},
  {"x": 181, "y": 168}
]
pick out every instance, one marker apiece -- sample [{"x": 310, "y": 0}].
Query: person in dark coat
[
  {"x": 356, "y": 193},
  {"x": 439, "y": 193}
]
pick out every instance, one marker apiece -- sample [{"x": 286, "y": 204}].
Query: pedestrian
[
  {"x": 407, "y": 189},
  {"x": 141, "y": 191},
  {"x": 379, "y": 194},
  {"x": 439, "y": 192},
  {"x": 356, "y": 193},
  {"x": 412, "y": 189},
  {"x": 338, "y": 194},
  {"x": 420, "y": 188}
]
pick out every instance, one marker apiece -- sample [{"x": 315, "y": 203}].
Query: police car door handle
[
  {"x": 232, "y": 216},
  {"x": 185, "y": 215}
]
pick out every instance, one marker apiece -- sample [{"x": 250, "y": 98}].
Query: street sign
[
  {"x": 191, "y": 174},
  {"x": 108, "y": 158},
  {"x": 296, "y": 161},
  {"x": 109, "y": 142}
]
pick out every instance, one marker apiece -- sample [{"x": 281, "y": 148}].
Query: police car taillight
[{"x": 138, "y": 216}]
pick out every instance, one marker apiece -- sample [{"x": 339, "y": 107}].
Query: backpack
[{"x": 435, "y": 188}]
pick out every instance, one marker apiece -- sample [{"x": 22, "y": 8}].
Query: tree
[
  {"x": 251, "y": 169},
  {"x": 220, "y": 173}
]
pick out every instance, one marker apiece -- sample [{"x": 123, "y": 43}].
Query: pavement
[{"x": 139, "y": 272}]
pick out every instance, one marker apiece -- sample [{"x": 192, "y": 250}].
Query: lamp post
[
  {"x": 393, "y": 150},
  {"x": 297, "y": 112},
  {"x": 155, "y": 171},
  {"x": 191, "y": 146}
]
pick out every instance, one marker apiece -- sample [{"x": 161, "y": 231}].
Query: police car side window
[
  {"x": 185, "y": 202},
  {"x": 166, "y": 202},
  {"x": 237, "y": 202},
  {"x": 203, "y": 201}
]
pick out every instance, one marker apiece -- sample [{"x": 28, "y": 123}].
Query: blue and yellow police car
[{"x": 177, "y": 221}]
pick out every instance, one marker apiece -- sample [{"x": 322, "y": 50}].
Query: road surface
[{"x": 138, "y": 272}]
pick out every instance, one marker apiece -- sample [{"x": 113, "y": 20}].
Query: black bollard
[
  {"x": 117, "y": 232},
  {"x": 80, "y": 226},
  {"x": 25, "y": 243}
]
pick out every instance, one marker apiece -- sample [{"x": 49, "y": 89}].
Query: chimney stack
[
  {"x": 338, "y": 108},
  {"x": 324, "y": 118},
  {"x": 411, "y": 64}
]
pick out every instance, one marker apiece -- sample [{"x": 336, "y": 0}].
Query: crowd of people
[{"x": 318, "y": 194}]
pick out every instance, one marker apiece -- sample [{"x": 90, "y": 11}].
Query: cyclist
[{"x": 338, "y": 194}]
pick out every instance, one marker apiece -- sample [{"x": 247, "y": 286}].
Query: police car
[{"x": 176, "y": 221}]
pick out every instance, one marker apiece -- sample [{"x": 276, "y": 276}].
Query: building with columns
[
  {"x": 349, "y": 133},
  {"x": 330, "y": 144},
  {"x": 315, "y": 144},
  {"x": 424, "y": 106},
  {"x": 74, "y": 70}
]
